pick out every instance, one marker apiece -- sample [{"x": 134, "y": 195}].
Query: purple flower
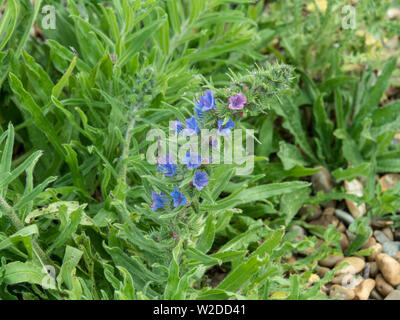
[
  {"x": 200, "y": 180},
  {"x": 166, "y": 165},
  {"x": 225, "y": 129},
  {"x": 179, "y": 198},
  {"x": 160, "y": 200},
  {"x": 192, "y": 160},
  {"x": 192, "y": 126},
  {"x": 178, "y": 126},
  {"x": 206, "y": 102},
  {"x": 237, "y": 102}
]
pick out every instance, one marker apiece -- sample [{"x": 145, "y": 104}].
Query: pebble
[
  {"x": 367, "y": 271},
  {"x": 381, "y": 237},
  {"x": 391, "y": 248},
  {"x": 348, "y": 280},
  {"x": 344, "y": 216},
  {"x": 375, "y": 295},
  {"x": 350, "y": 235},
  {"x": 326, "y": 219},
  {"x": 388, "y": 233},
  {"x": 376, "y": 249},
  {"x": 379, "y": 224},
  {"x": 344, "y": 242},
  {"x": 389, "y": 268},
  {"x": 321, "y": 271},
  {"x": 330, "y": 261},
  {"x": 363, "y": 290},
  {"x": 300, "y": 232},
  {"x": 322, "y": 181},
  {"x": 356, "y": 265},
  {"x": 338, "y": 292},
  {"x": 311, "y": 212},
  {"x": 373, "y": 269},
  {"x": 382, "y": 286},
  {"x": 388, "y": 181},
  {"x": 393, "y": 13},
  {"x": 341, "y": 227},
  {"x": 369, "y": 243},
  {"x": 355, "y": 187},
  {"x": 394, "y": 295}
]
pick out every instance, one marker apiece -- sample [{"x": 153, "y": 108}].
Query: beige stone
[
  {"x": 356, "y": 188},
  {"x": 389, "y": 268},
  {"x": 338, "y": 292},
  {"x": 363, "y": 290},
  {"x": 382, "y": 286},
  {"x": 356, "y": 265}
]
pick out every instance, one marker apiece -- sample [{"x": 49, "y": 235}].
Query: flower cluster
[{"x": 205, "y": 107}]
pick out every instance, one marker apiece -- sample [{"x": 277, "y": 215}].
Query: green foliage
[{"x": 76, "y": 105}]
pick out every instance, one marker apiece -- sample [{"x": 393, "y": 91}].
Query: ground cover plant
[{"x": 90, "y": 90}]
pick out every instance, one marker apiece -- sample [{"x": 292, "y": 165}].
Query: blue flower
[
  {"x": 206, "y": 102},
  {"x": 192, "y": 161},
  {"x": 200, "y": 180},
  {"x": 192, "y": 126},
  {"x": 178, "y": 126},
  {"x": 225, "y": 129},
  {"x": 178, "y": 197},
  {"x": 200, "y": 115},
  {"x": 160, "y": 200},
  {"x": 167, "y": 166}
]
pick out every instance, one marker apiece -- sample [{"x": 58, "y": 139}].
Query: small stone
[
  {"x": 367, "y": 270},
  {"x": 369, "y": 243},
  {"x": 347, "y": 218},
  {"x": 388, "y": 233},
  {"x": 311, "y": 212},
  {"x": 388, "y": 181},
  {"x": 397, "y": 257},
  {"x": 363, "y": 290},
  {"x": 330, "y": 261},
  {"x": 394, "y": 295},
  {"x": 381, "y": 237},
  {"x": 376, "y": 249},
  {"x": 373, "y": 269},
  {"x": 379, "y": 224},
  {"x": 321, "y": 271},
  {"x": 347, "y": 280},
  {"x": 341, "y": 227},
  {"x": 322, "y": 181},
  {"x": 326, "y": 219},
  {"x": 391, "y": 248},
  {"x": 393, "y": 13},
  {"x": 344, "y": 242},
  {"x": 338, "y": 292},
  {"x": 355, "y": 187},
  {"x": 356, "y": 265},
  {"x": 382, "y": 286},
  {"x": 375, "y": 295},
  {"x": 300, "y": 232},
  {"x": 389, "y": 268}
]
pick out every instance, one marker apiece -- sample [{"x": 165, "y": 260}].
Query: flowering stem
[{"x": 18, "y": 224}]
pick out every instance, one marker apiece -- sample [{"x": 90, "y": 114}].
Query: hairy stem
[{"x": 18, "y": 224}]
